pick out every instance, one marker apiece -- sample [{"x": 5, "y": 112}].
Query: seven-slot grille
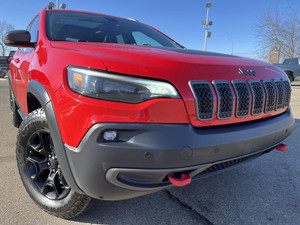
[{"x": 255, "y": 97}]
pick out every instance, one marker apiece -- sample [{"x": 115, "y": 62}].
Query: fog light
[{"x": 110, "y": 135}]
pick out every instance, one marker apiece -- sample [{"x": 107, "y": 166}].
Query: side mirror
[{"x": 18, "y": 38}]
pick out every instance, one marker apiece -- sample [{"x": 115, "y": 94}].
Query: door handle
[{"x": 17, "y": 60}]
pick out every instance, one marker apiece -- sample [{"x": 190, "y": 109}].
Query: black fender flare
[{"x": 40, "y": 92}]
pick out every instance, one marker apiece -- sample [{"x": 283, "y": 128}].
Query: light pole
[
  {"x": 232, "y": 44},
  {"x": 206, "y": 25},
  {"x": 57, "y": 4}
]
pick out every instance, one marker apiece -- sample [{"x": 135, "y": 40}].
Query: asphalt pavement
[{"x": 264, "y": 191}]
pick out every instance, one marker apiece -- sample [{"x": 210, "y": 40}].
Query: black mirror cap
[{"x": 18, "y": 38}]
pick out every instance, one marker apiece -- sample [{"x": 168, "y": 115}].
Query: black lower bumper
[{"x": 142, "y": 156}]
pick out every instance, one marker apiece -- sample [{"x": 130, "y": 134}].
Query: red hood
[
  {"x": 178, "y": 66},
  {"x": 168, "y": 63}
]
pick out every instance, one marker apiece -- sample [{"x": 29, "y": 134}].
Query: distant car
[
  {"x": 3, "y": 66},
  {"x": 291, "y": 67},
  {"x": 4, "y": 63}
]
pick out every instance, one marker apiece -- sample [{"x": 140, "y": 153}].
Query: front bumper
[{"x": 139, "y": 161}]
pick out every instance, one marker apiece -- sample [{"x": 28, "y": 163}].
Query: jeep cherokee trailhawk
[{"x": 110, "y": 108}]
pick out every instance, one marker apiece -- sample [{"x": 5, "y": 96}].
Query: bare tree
[
  {"x": 4, "y": 27},
  {"x": 275, "y": 29}
]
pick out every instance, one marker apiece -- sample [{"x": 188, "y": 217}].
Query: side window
[
  {"x": 33, "y": 28},
  {"x": 143, "y": 39},
  {"x": 120, "y": 39}
]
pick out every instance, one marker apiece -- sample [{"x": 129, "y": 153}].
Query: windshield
[{"x": 84, "y": 27}]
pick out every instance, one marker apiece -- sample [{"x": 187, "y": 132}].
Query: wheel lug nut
[
  {"x": 50, "y": 155},
  {"x": 48, "y": 164},
  {"x": 53, "y": 170}
]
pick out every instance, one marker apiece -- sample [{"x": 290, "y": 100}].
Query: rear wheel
[{"x": 40, "y": 170}]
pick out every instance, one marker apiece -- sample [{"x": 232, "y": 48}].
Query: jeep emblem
[{"x": 247, "y": 72}]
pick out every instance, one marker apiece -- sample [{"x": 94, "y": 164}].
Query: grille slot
[
  {"x": 280, "y": 94},
  {"x": 225, "y": 99},
  {"x": 222, "y": 98},
  {"x": 288, "y": 91},
  {"x": 204, "y": 99},
  {"x": 243, "y": 98},
  {"x": 270, "y": 95},
  {"x": 258, "y": 94}
]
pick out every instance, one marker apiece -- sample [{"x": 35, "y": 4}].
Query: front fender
[{"x": 39, "y": 91}]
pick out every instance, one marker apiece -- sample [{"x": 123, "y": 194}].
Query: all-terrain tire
[
  {"x": 33, "y": 151},
  {"x": 16, "y": 119}
]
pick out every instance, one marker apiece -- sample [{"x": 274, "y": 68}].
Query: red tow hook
[
  {"x": 184, "y": 179},
  {"x": 282, "y": 147}
]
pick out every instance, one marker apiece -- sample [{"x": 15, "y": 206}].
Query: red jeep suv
[{"x": 110, "y": 108}]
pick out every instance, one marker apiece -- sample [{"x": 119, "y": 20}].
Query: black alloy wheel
[{"x": 43, "y": 166}]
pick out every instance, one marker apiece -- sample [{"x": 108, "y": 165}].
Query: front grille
[
  {"x": 270, "y": 95},
  {"x": 243, "y": 98},
  {"x": 205, "y": 100},
  {"x": 258, "y": 97},
  {"x": 225, "y": 99},
  {"x": 254, "y": 96}
]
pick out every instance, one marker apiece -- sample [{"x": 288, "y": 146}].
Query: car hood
[{"x": 166, "y": 63}]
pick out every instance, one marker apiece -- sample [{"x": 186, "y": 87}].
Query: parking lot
[{"x": 264, "y": 191}]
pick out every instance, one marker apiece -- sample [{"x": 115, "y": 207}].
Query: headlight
[{"x": 112, "y": 87}]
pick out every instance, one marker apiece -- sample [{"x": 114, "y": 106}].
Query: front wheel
[{"x": 40, "y": 170}]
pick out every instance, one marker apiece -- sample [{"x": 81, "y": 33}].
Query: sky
[{"x": 233, "y": 20}]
